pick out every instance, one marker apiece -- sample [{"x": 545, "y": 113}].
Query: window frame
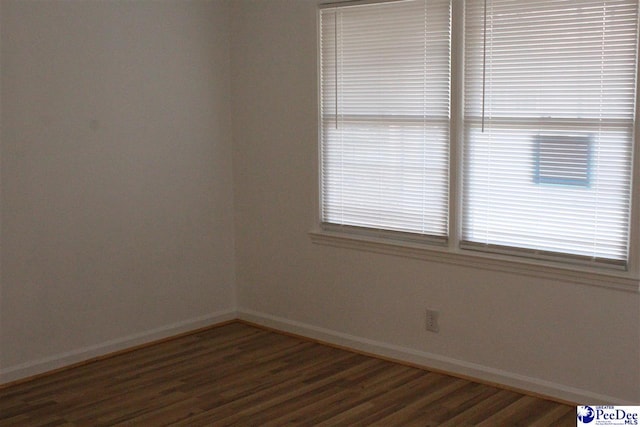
[{"x": 452, "y": 252}]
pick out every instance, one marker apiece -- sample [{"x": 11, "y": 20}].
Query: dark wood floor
[{"x": 241, "y": 375}]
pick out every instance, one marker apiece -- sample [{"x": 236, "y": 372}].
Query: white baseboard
[
  {"x": 433, "y": 361},
  {"x": 382, "y": 349},
  {"x": 31, "y": 368}
]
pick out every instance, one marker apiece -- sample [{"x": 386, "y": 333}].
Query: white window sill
[{"x": 619, "y": 280}]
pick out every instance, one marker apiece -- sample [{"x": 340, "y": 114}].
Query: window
[
  {"x": 556, "y": 78},
  {"x": 385, "y": 116},
  {"x": 543, "y": 167}
]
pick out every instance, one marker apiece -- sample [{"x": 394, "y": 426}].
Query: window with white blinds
[
  {"x": 549, "y": 119},
  {"x": 541, "y": 161},
  {"x": 384, "y": 117}
]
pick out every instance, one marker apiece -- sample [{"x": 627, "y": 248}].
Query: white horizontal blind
[
  {"x": 385, "y": 116},
  {"x": 554, "y": 89}
]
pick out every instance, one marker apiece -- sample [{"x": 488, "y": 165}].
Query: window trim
[
  {"x": 452, "y": 251},
  {"x": 617, "y": 280}
]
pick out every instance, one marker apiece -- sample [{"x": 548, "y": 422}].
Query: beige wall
[
  {"x": 570, "y": 340},
  {"x": 117, "y": 204},
  {"x": 120, "y": 122}
]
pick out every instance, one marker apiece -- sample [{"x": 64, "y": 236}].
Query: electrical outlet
[{"x": 431, "y": 322}]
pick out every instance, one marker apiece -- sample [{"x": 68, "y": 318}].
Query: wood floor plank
[
  {"x": 484, "y": 409},
  {"x": 238, "y": 374},
  {"x": 516, "y": 414},
  {"x": 361, "y": 390},
  {"x": 554, "y": 415},
  {"x": 301, "y": 391}
]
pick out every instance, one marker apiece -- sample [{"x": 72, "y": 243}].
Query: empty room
[{"x": 280, "y": 212}]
